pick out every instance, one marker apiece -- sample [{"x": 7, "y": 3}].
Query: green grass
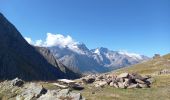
[
  {"x": 149, "y": 67},
  {"x": 160, "y": 89}
]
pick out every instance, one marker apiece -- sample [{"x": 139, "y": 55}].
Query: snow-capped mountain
[
  {"x": 78, "y": 57},
  {"x": 95, "y": 60},
  {"x": 81, "y": 61}
]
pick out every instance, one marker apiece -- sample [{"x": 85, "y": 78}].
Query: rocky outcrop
[
  {"x": 124, "y": 80},
  {"x": 31, "y": 91},
  {"x": 64, "y": 94},
  {"x": 34, "y": 91},
  {"x": 17, "y": 82}
]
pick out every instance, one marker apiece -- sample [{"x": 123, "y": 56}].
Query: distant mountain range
[
  {"x": 79, "y": 57},
  {"x": 20, "y": 59}
]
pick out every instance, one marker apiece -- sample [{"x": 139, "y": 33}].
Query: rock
[
  {"x": 136, "y": 76},
  {"x": 77, "y": 87},
  {"x": 114, "y": 80},
  {"x": 123, "y": 75},
  {"x": 66, "y": 81},
  {"x": 100, "y": 77},
  {"x": 121, "y": 85},
  {"x": 64, "y": 94},
  {"x": 133, "y": 86},
  {"x": 145, "y": 77},
  {"x": 76, "y": 96},
  {"x": 127, "y": 82},
  {"x": 164, "y": 71},
  {"x": 150, "y": 81},
  {"x": 143, "y": 86},
  {"x": 120, "y": 80},
  {"x": 60, "y": 86},
  {"x": 111, "y": 84},
  {"x": 17, "y": 82},
  {"x": 115, "y": 85},
  {"x": 32, "y": 90},
  {"x": 109, "y": 81},
  {"x": 88, "y": 80},
  {"x": 100, "y": 83},
  {"x": 139, "y": 81}
]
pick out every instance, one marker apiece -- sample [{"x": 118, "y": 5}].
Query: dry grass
[{"x": 160, "y": 89}]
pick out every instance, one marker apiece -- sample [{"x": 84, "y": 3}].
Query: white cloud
[
  {"x": 56, "y": 40},
  {"x": 38, "y": 43},
  {"x": 29, "y": 40},
  {"x": 59, "y": 40}
]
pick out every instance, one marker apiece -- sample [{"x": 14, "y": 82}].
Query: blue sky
[{"x": 140, "y": 26}]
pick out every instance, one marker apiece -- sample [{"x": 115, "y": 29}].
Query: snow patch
[{"x": 132, "y": 55}]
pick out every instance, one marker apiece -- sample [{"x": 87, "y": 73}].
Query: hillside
[
  {"x": 153, "y": 66},
  {"x": 19, "y": 59},
  {"x": 158, "y": 68}
]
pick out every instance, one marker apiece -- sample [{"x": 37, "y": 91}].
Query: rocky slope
[
  {"x": 17, "y": 89},
  {"x": 19, "y": 59}
]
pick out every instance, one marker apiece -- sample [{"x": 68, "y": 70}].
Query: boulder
[
  {"x": 64, "y": 94},
  {"x": 139, "y": 81},
  {"x": 17, "y": 82},
  {"x": 77, "y": 87},
  {"x": 150, "y": 81},
  {"x": 123, "y": 75},
  {"x": 164, "y": 71},
  {"x": 60, "y": 86},
  {"x": 88, "y": 80},
  {"x": 100, "y": 77},
  {"x": 109, "y": 81},
  {"x": 133, "y": 86},
  {"x": 100, "y": 83},
  {"x": 32, "y": 91},
  {"x": 111, "y": 84},
  {"x": 120, "y": 80},
  {"x": 115, "y": 85},
  {"x": 136, "y": 76},
  {"x": 143, "y": 86},
  {"x": 66, "y": 81},
  {"x": 121, "y": 85},
  {"x": 127, "y": 82}
]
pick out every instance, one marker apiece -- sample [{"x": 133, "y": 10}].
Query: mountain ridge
[
  {"x": 99, "y": 60},
  {"x": 20, "y": 59}
]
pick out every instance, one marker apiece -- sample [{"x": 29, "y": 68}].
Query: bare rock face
[
  {"x": 32, "y": 91},
  {"x": 35, "y": 91},
  {"x": 64, "y": 94}
]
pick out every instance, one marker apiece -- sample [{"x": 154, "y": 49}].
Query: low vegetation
[{"x": 159, "y": 90}]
